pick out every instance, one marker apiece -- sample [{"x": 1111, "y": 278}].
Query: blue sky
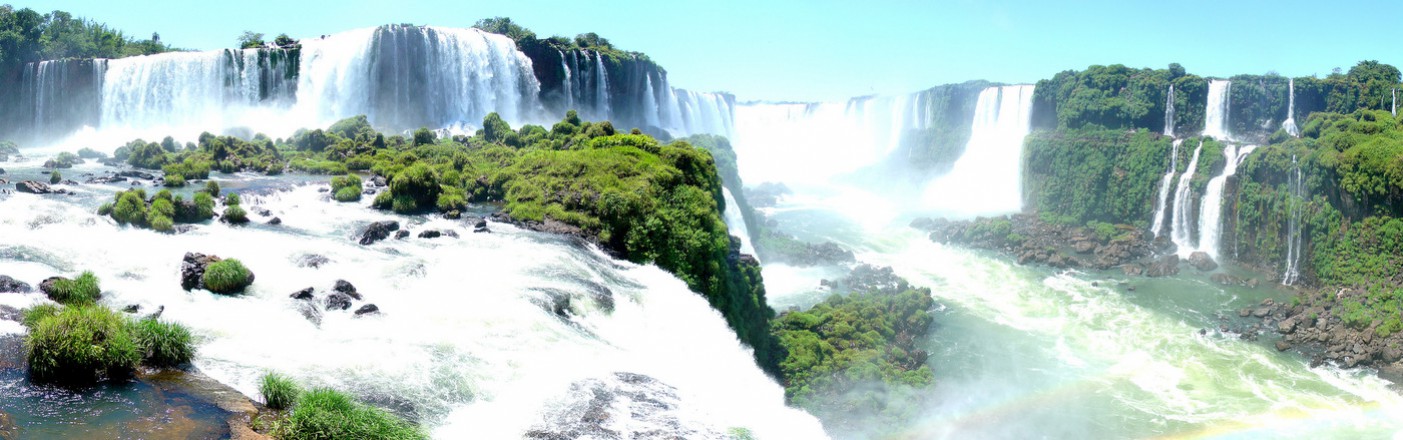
[{"x": 824, "y": 49}]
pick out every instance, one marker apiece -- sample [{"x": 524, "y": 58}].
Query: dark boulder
[
  {"x": 338, "y": 301},
  {"x": 34, "y": 187},
  {"x": 401, "y": 234},
  {"x": 480, "y": 226},
  {"x": 304, "y": 294},
  {"x": 275, "y": 221},
  {"x": 343, "y": 286},
  {"x": 192, "y": 270},
  {"x": 430, "y": 233},
  {"x": 136, "y": 175},
  {"x": 8, "y": 284},
  {"x": 453, "y": 215},
  {"x": 133, "y": 309},
  {"x": 312, "y": 261},
  {"x": 368, "y": 309},
  {"x": 378, "y": 231},
  {"x": 1201, "y": 261},
  {"x": 1163, "y": 267}
]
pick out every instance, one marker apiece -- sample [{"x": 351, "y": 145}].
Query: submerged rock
[
  {"x": 8, "y": 284},
  {"x": 136, "y": 175},
  {"x": 345, "y": 287},
  {"x": 430, "y": 233},
  {"x": 338, "y": 301},
  {"x": 34, "y": 187},
  {"x": 401, "y": 234},
  {"x": 1165, "y": 266},
  {"x": 304, "y": 294},
  {"x": 368, "y": 309},
  {"x": 310, "y": 311},
  {"x": 312, "y": 261},
  {"x": 378, "y": 231},
  {"x": 275, "y": 221},
  {"x": 480, "y": 226}
]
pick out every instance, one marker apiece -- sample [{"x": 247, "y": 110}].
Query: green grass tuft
[
  {"x": 329, "y": 414},
  {"x": 227, "y": 276},
  {"x": 279, "y": 392},
  {"x": 79, "y": 344},
  {"x": 165, "y": 344},
  {"x": 78, "y": 291}
]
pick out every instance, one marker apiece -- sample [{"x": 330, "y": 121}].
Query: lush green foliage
[
  {"x": 27, "y": 36},
  {"x": 164, "y": 344},
  {"x": 328, "y": 414},
  {"x": 279, "y": 392},
  {"x": 55, "y": 177},
  {"x": 79, "y": 344},
  {"x": 346, "y": 188},
  {"x": 1117, "y": 96},
  {"x": 227, "y": 276},
  {"x": 78, "y": 291}
]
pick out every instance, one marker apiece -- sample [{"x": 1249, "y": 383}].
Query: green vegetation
[
  {"x": 346, "y": 188},
  {"x": 279, "y": 392},
  {"x": 329, "y": 414},
  {"x": 161, "y": 212},
  {"x": 849, "y": 354},
  {"x": 228, "y": 277},
  {"x": 164, "y": 344},
  {"x": 28, "y": 36},
  {"x": 79, "y": 344},
  {"x": 233, "y": 213},
  {"x": 77, "y": 291},
  {"x": 55, "y": 177}
]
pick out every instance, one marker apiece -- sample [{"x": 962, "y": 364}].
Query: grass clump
[
  {"x": 79, "y": 344},
  {"x": 77, "y": 291},
  {"x": 279, "y": 392},
  {"x": 346, "y": 188},
  {"x": 163, "y": 344},
  {"x": 329, "y": 414},
  {"x": 227, "y": 277}
]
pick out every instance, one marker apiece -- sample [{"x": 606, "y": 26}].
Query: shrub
[
  {"x": 55, "y": 177},
  {"x": 384, "y": 200},
  {"x": 163, "y": 344},
  {"x": 232, "y": 199},
  {"x": 31, "y": 316},
  {"x": 348, "y": 195},
  {"x": 130, "y": 207},
  {"x": 161, "y": 223},
  {"x": 77, "y": 291},
  {"x": 174, "y": 181},
  {"x": 227, "y": 277},
  {"x": 328, "y": 414},
  {"x": 278, "y": 391},
  {"x": 347, "y": 188},
  {"x": 212, "y": 188},
  {"x": 235, "y": 215},
  {"x": 452, "y": 198},
  {"x": 89, "y": 153},
  {"x": 417, "y": 182},
  {"x": 204, "y": 206},
  {"x": 80, "y": 344}
]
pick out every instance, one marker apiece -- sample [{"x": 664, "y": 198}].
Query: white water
[
  {"x": 1180, "y": 232},
  {"x": 1395, "y": 103},
  {"x": 987, "y": 179},
  {"x": 602, "y": 76},
  {"x": 568, "y": 83},
  {"x": 463, "y": 342},
  {"x": 1210, "y": 217},
  {"x": 1296, "y": 202},
  {"x": 1160, "y": 204},
  {"x": 821, "y": 141},
  {"x": 1216, "y": 116},
  {"x": 736, "y": 223},
  {"x": 1290, "y": 124},
  {"x": 1169, "y": 113}
]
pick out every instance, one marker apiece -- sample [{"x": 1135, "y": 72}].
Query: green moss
[
  {"x": 80, "y": 344},
  {"x": 55, "y": 177},
  {"x": 346, "y": 188},
  {"x": 228, "y": 276},
  {"x": 130, "y": 208}
]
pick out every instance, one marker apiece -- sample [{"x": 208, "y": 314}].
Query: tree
[
  {"x": 284, "y": 41},
  {"x": 592, "y": 40},
  {"x": 505, "y": 26},
  {"x": 250, "y": 39}
]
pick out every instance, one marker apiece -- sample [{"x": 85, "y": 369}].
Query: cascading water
[
  {"x": 1296, "y": 205},
  {"x": 59, "y": 96},
  {"x": 1169, "y": 113},
  {"x": 992, "y": 161},
  {"x": 1211, "y": 213},
  {"x": 736, "y": 223},
  {"x": 602, "y": 90},
  {"x": 650, "y": 103},
  {"x": 1216, "y": 117},
  {"x": 1395, "y": 103},
  {"x": 1164, "y": 183},
  {"x": 405, "y": 77},
  {"x": 568, "y": 83},
  {"x": 1290, "y": 124},
  {"x": 485, "y": 336},
  {"x": 1181, "y": 233},
  {"x": 834, "y": 138}
]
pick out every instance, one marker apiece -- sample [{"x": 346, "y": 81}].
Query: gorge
[{"x": 581, "y": 249}]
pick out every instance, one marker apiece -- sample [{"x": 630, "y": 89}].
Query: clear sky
[{"x": 825, "y": 49}]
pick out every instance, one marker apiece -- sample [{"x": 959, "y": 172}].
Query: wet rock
[
  {"x": 1261, "y": 312},
  {"x": 368, "y": 309},
  {"x": 262, "y": 211},
  {"x": 192, "y": 269},
  {"x": 1282, "y": 345},
  {"x": 1391, "y": 354},
  {"x": 34, "y": 187},
  {"x": 379, "y": 181},
  {"x": 157, "y": 314},
  {"x": 1201, "y": 261},
  {"x": 338, "y": 301},
  {"x": 275, "y": 221},
  {"x": 8, "y": 284},
  {"x": 8, "y": 313},
  {"x": 310, "y": 311},
  {"x": 304, "y": 294},
  {"x": 133, "y": 309},
  {"x": 1167, "y": 265},
  {"x": 402, "y": 234},
  {"x": 453, "y": 215},
  {"x": 480, "y": 226},
  {"x": 345, "y": 287},
  {"x": 312, "y": 261},
  {"x": 450, "y": 233},
  {"x": 1084, "y": 247},
  {"x": 136, "y": 175},
  {"x": 430, "y": 233},
  {"x": 1132, "y": 270},
  {"x": 1244, "y": 312},
  {"x": 323, "y": 189},
  {"x": 378, "y": 231}
]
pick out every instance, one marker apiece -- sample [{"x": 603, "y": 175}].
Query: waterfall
[
  {"x": 735, "y": 222},
  {"x": 1164, "y": 183},
  {"x": 650, "y": 103},
  {"x": 602, "y": 77},
  {"x": 1181, "y": 233},
  {"x": 566, "y": 84},
  {"x": 1395, "y": 103},
  {"x": 405, "y": 77},
  {"x": 61, "y": 95},
  {"x": 987, "y": 179},
  {"x": 1216, "y": 116},
  {"x": 1211, "y": 213},
  {"x": 1169, "y": 113},
  {"x": 1290, "y": 124},
  {"x": 1296, "y": 204}
]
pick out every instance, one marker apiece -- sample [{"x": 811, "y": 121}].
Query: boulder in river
[
  {"x": 35, "y": 187},
  {"x": 1201, "y": 261},
  {"x": 378, "y": 231},
  {"x": 401, "y": 234},
  {"x": 343, "y": 286},
  {"x": 368, "y": 309},
  {"x": 8, "y": 284},
  {"x": 1163, "y": 267},
  {"x": 192, "y": 269},
  {"x": 312, "y": 261},
  {"x": 338, "y": 301},
  {"x": 304, "y": 294}
]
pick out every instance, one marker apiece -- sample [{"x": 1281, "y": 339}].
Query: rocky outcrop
[
  {"x": 1033, "y": 241},
  {"x": 304, "y": 294},
  {"x": 338, "y": 301},
  {"x": 192, "y": 270},
  {"x": 1314, "y": 326},
  {"x": 1167, "y": 265},
  {"x": 8, "y": 284},
  {"x": 368, "y": 309},
  {"x": 378, "y": 231},
  {"x": 344, "y": 287},
  {"x": 35, "y": 187},
  {"x": 1201, "y": 261}
]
